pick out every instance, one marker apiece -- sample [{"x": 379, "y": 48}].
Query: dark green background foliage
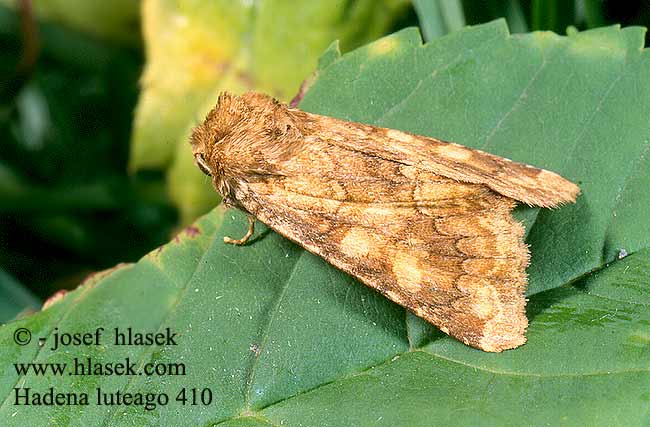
[
  {"x": 67, "y": 205},
  {"x": 279, "y": 335}
]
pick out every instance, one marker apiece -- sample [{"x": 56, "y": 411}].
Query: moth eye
[{"x": 203, "y": 165}]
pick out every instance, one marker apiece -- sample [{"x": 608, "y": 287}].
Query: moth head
[
  {"x": 207, "y": 136},
  {"x": 244, "y": 136}
]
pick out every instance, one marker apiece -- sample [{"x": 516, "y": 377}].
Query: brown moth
[{"x": 426, "y": 223}]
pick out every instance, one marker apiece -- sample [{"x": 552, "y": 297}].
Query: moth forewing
[{"x": 426, "y": 223}]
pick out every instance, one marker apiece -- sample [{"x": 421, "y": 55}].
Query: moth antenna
[{"x": 247, "y": 236}]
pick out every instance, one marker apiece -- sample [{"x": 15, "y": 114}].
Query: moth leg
[{"x": 249, "y": 233}]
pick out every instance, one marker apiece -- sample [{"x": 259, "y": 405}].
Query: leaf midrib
[{"x": 368, "y": 370}]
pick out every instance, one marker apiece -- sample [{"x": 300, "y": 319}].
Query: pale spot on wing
[
  {"x": 506, "y": 328},
  {"x": 494, "y": 267},
  {"x": 399, "y": 136},
  {"x": 384, "y": 213},
  {"x": 454, "y": 151},
  {"x": 408, "y": 171},
  {"x": 432, "y": 190},
  {"x": 385, "y": 220},
  {"x": 486, "y": 302},
  {"x": 470, "y": 284},
  {"x": 407, "y": 272},
  {"x": 324, "y": 226},
  {"x": 489, "y": 222},
  {"x": 336, "y": 191},
  {"x": 356, "y": 243},
  {"x": 492, "y": 246},
  {"x": 421, "y": 312},
  {"x": 307, "y": 203}
]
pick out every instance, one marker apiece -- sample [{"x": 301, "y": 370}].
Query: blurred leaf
[
  {"x": 58, "y": 43},
  {"x": 553, "y": 15},
  {"x": 439, "y": 17},
  {"x": 487, "y": 10},
  {"x": 14, "y": 298},
  {"x": 593, "y": 13},
  {"x": 196, "y": 49},
  {"x": 115, "y": 20},
  {"x": 283, "y": 338},
  {"x": 17, "y": 196},
  {"x": 67, "y": 205}
]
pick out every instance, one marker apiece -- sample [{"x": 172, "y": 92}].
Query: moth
[{"x": 426, "y": 223}]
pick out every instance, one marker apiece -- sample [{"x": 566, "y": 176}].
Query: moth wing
[
  {"x": 525, "y": 183},
  {"x": 457, "y": 261}
]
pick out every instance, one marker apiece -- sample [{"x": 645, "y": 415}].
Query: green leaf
[
  {"x": 438, "y": 18},
  {"x": 594, "y": 15},
  {"x": 196, "y": 49},
  {"x": 513, "y": 11},
  {"x": 283, "y": 338},
  {"x": 554, "y": 15},
  {"x": 115, "y": 21},
  {"x": 14, "y": 298}
]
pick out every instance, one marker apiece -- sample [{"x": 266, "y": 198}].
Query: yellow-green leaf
[{"x": 196, "y": 49}]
